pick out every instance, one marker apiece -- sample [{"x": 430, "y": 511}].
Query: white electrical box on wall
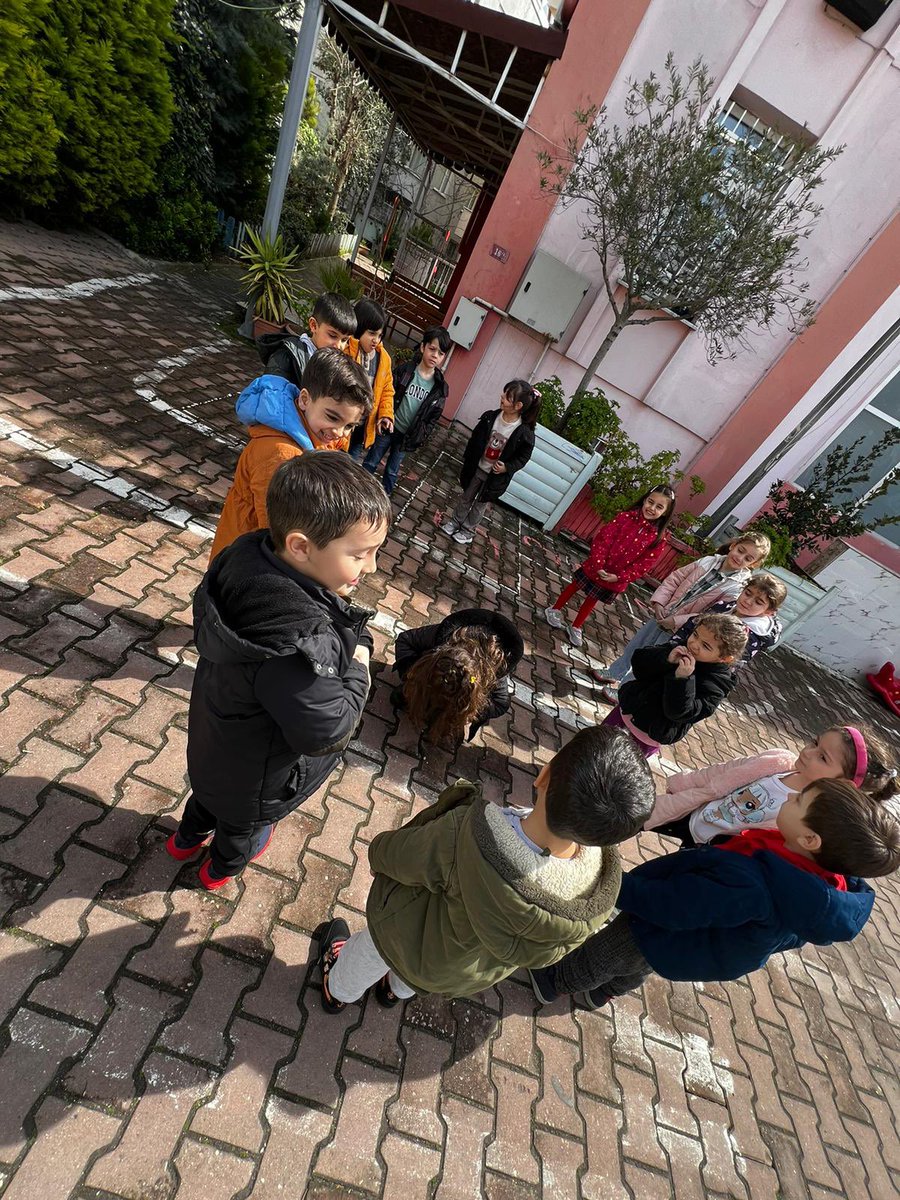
[
  {"x": 548, "y": 295},
  {"x": 466, "y": 322}
]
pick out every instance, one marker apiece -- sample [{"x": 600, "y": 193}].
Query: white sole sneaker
[
  {"x": 463, "y": 538},
  {"x": 554, "y": 618},
  {"x": 576, "y": 637},
  {"x": 449, "y": 528}
]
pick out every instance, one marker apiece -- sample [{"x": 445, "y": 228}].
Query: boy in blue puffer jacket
[{"x": 719, "y": 912}]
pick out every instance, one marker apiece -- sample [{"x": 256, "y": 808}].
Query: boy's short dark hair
[
  {"x": 370, "y": 316},
  {"x": 336, "y": 310},
  {"x": 859, "y": 835},
  {"x": 323, "y": 494},
  {"x": 767, "y": 585},
  {"x": 437, "y": 333},
  {"x": 729, "y": 631},
  {"x": 601, "y": 789},
  {"x": 334, "y": 374}
]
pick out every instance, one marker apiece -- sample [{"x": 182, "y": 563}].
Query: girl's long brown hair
[{"x": 450, "y": 686}]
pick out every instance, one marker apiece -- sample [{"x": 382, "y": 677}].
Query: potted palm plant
[{"x": 271, "y": 279}]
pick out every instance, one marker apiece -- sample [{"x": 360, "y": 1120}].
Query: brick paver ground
[{"x": 157, "y": 1040}]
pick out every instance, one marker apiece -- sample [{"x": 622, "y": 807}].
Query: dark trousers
[
  {"x": 609, "y": 962},
  {"x": 680, "y": 829},
  {"x": 231, "y": 847}
]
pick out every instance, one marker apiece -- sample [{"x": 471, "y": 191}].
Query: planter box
[{"x": 546, "y": 486}]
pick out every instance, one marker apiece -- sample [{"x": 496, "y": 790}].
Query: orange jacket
[
  {"x": 383, "y": 388},
  {"x": 245, "y": 505}
]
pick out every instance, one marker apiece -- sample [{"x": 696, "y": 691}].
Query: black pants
[
  {"x": 680, "y": 829},
  {"x": 231, "y": 846},
  {"x": 609, "y": 962}
]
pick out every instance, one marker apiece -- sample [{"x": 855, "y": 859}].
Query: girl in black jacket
[
  {"x": 674, "y": 686},
  {"x": 456, "y": 674},
  {"x": 501, "y": 444}
]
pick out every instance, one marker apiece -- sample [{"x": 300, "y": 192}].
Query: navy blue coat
[{"x": 711, "y": 914}]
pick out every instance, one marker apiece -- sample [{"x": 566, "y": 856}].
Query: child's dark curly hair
[{"x": 450, "y": 686}]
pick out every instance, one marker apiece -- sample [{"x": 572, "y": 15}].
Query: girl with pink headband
[{"x": 725, "y": 799}]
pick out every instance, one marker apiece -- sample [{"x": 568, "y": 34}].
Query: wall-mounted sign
[{"x": 500, "y": 253}]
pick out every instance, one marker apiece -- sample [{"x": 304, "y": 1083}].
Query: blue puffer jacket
[
  {"x": 712, "y": 914},
  {"x": 271, "y": 400}
]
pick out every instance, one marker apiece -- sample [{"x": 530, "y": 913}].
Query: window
[
  {"x": 441, "y": 181},
  {"x": 880, "y": 414}
]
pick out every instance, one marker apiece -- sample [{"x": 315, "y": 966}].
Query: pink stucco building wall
[{"x": 794, "y": 58}]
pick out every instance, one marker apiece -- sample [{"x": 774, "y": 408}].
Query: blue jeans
[
  {"x": 649, "y": 634},
  {"x": 390, "y": 444}
]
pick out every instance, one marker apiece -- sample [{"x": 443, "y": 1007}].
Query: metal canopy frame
[{"x": 462, "y": 79}]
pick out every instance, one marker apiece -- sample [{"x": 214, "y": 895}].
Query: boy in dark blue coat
[{"x": 719, "y": 912}]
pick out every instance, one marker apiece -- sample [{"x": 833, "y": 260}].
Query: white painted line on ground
[
  {"x": 144, "y": 387},
  {"x": 75, "y": 291},
  {"x": 114, "y": 484}
]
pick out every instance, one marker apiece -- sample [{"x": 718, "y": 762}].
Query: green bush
[
  {"x": 335, "y": 277},
  {"x": 109, "y": 58},
  {"x": 782, "y": 552},
  {"x": 625, "y": 474},
  {"x": 553, "y": 402},
  {"x": 32, "y": 106}
]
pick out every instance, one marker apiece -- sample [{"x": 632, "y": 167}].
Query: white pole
[{"x": 293, "y": 110}]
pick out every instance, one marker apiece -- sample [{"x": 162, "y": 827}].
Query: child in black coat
[
  {"x": 674, "y": 687},
  {"x": 283, "y": 672},
  {"x": 501, "y": 444},
  {"x": 456, "y": 674}
]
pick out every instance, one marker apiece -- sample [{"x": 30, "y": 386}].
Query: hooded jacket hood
[
  {"x": 251, "y": 606},
  {"x": 503, "y": 629},
  {"x": 271, "y": 400}
]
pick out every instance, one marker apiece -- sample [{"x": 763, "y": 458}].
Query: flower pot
[{"x": 261, "y": 326}]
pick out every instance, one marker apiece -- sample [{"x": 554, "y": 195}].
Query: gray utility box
[
  {"x": 465, "y": 323},
  {"x": 548, "y": 295}
]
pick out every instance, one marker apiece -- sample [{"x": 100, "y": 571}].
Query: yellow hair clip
[{"x": 471, "y": 679}]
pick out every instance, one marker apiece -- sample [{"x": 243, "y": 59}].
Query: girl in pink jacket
[
  {"x": 725, "y": 799},
  {"x": 687, "y": 591},
  {"x": 623, "y": 550}
]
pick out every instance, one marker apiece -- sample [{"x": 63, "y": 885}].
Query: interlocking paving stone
[{"x": 183, "y": 1030}]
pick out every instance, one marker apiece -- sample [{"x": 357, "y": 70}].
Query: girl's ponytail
[
  {"x": 520, "y": 391},
  {"x": 450, "y": 686}
]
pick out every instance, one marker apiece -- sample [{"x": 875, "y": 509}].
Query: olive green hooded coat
[{"x": 459, "y": 901}]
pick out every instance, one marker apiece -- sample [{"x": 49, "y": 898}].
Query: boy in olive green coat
[{"x": 467, "y": 891}]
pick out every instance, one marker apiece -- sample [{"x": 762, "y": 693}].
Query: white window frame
[{"x": 443, "y": 179}]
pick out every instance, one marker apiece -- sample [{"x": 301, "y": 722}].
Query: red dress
[{"x": 625, "y": 548}]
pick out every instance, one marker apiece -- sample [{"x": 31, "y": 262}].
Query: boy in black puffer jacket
[
  {"x": 283, "y": 673},
  {"x": 674, "y": 687}
]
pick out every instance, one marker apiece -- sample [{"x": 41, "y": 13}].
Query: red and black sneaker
[
  {"x": 331, "y": 937},
  {"x": 212, "y": 880},
  {"x": 182, "y": 850}
]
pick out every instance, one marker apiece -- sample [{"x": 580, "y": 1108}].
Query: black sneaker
[
  {"x": 543, "y": 984},
  {"x": 331, "y": 936},
  {"x": 592, "y": 1000}
]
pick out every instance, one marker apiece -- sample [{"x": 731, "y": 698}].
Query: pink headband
[{"x": 862, "y": 756}]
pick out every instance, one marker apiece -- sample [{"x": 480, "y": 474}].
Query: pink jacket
[
  {"x": 625, "y": 548},
  {"x": 681, "y": 580},
  {"x": 689, "y": 790}
]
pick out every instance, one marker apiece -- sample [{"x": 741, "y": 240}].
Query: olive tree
[{"x": 689, "y": 218}]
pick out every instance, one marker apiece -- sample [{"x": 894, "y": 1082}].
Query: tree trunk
[
  {"x": 605, "y": 346},
  {"x": 587, "y": 378}
]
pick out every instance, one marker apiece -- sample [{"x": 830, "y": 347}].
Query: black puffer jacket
[
  {"x": 430, "y": 409},
  {"x": 277, "y": 695},
  {"x": 285, "y": 354},
  {"x": 514, "y": 456},
  {"x": 664, "y": 707},
  {"x": 413, "y": 643}
]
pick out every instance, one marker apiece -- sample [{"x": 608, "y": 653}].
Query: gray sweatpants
[
  {"x": 470, "y": 510},
  {"x": 359, "y": 966},
  {"x": 649, "y": 634}
]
